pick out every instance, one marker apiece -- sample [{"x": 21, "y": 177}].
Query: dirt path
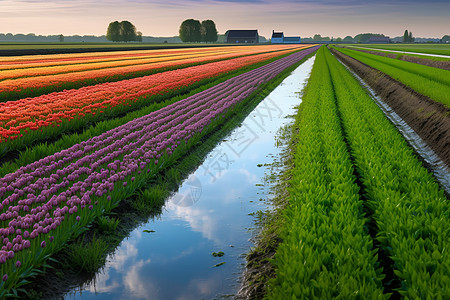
[{"x": 429, "y": 119}]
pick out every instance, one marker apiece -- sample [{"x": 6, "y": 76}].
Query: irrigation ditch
[{"x": 147, "y": 219}]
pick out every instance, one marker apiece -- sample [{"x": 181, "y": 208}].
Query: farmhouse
[
  {"x": 242, "y": 36},
  {"x": 279, "y": 38},
  {"x": 379, "y": 40}
]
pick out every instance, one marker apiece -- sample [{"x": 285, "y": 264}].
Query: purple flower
[
  {"x": 125, "y": 184},
  {"x": 43, "y": 244},
  {"x": 78, "y": 218},
  {"x": 18, "y": 264},
  {"x": 51, "y": 238},
  {"x": 5, "y": 277}
]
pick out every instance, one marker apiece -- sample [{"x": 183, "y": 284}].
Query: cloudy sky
[{"x": 430, "y": 18}]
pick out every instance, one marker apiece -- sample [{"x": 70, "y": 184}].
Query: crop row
[
  {"x": 326, "y": 251},
  {"x": 30, "y": 86},
  {"x": 410, "y": 210},
  {"x": 51, "y": 60},
  {"x": 441, "y": 49},
  {"x": 429, "y": 81},
  {"x": 48, "y": 201},
  {"x": 144, "y": 61},
  {"x": 24, "y": 119},
  {"x": 342, "y": 132}
]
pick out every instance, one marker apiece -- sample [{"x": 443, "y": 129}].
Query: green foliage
[
  {"x": 190, "y": 31},
  {"x": 107, "y": 224},
  {"x": 429, "y": 81},
  {"x": 411, "y": 211},
  {"x": 88, "y": 257},
  {"x": 326, "y": 252},
  {"x": 122, "y": 32},
  {"x": 208, "y": 31},
  {"x": 407, "y": 37}
]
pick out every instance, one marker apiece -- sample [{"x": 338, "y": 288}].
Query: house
[
  {"x": 277, "y": 37},
  {"x": 379, "y": 40},
  {"x": 242, "y": 36}
]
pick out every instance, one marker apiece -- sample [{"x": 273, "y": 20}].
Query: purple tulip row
[{"x": 38, "y": 197}]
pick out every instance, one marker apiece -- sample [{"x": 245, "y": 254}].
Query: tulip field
[{"x": 50, "y": 200}]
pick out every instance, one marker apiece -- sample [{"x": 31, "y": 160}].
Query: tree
[
  {"x": 317, "y": 37},
  {"x": 445, "y": 39},
  {"x": 127, "y": 31},
  {"x": 348, "y": 39},
  {"x": 338, "y": 40},
  {"x": 61, "y": 38},
  {"x": 190, "y": 31},
  {"x": 410, "y": 38},
  {"x": 405, "y": 36},
  {"x": 208, "y": 31},
  {"x": 113, "y": 32}
]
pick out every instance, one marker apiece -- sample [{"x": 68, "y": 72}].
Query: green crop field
[
  {"x": 441, "y": 49},
  {"x": 358, "y": 196},
  {"x": 429, "y": 81}
]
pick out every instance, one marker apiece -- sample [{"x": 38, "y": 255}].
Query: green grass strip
[
  {"x": 410, "y": 210},
  {"x": 429, "y": 81},
  {"x": 326, "y": 251},
  {"x": 430, "y": 49}
]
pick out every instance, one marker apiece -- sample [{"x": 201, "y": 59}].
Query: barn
[
  {"x": 279, "y": 38},
  {"x": 242, "y": 36}
]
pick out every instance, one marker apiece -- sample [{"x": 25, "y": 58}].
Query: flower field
[
  {"x": 22, "y": 77},
  {"x": 49, "y": 201}
]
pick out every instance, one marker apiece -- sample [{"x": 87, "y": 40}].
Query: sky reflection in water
[{"x": 210, "y": 213}]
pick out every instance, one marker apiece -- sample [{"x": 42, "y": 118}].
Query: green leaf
[{"x": 148, "y": 231}]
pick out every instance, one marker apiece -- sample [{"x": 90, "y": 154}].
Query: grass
[
  {"x": 107, "y": 224},
  {"x": 441, "y": 49},
  {"x": 88, "y": 257},
  {"x": 365, "y": 47}
]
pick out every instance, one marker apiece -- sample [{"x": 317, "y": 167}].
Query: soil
[
  {"x": 414, "y": 59},
  {"x": 429, "y": 119}
]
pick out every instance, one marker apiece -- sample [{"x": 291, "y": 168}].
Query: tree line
[
  {"x": 123, "y": 32},
  {"x": 193, "y": 31},
  {"x": 408, "y": 37}
]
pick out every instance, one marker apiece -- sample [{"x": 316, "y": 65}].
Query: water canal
[{"x": 170, "y": 257}]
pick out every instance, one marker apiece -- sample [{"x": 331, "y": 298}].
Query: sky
[{"x": 333, "y": 18}]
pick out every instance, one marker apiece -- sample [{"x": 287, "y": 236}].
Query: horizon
[{"x": 305, "y": 18}]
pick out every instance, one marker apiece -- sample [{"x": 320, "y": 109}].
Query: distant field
[
  {"x": 441, "y": 49},
  {"x": 21, "y": 46},
  {"x": 378, "y": 49}
]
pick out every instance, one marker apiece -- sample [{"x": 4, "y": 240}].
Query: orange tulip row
[
  {"x": 43, "y": 77},
  {"x": 17, "y": 117}
]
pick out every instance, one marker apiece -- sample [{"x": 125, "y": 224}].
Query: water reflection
[{"x": 210, "y": 213}]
